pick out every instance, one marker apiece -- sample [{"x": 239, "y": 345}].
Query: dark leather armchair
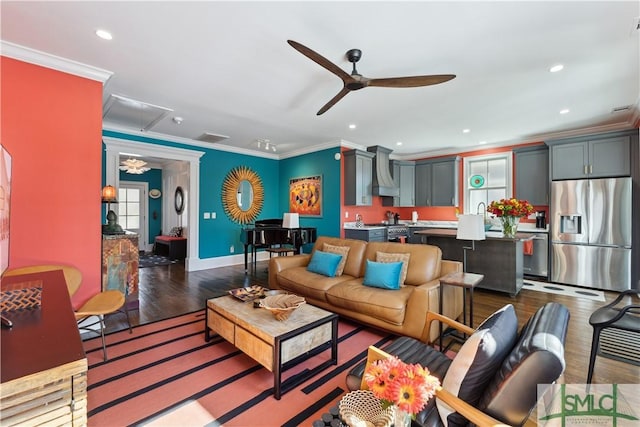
[
  {"x": 615, "y": 315},
  {"x": 505, "y": 390}
]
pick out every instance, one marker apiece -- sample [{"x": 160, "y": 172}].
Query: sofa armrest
[
  {"x": 447, "y": 266},
  {"x": 277, "y": 264}
]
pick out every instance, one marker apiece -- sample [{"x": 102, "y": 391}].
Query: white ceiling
[{"x": 226, "y": 67}]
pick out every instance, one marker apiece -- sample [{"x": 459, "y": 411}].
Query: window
[
  {"x": 486, "y": 178},
  {"x": 129, "y": 208}
]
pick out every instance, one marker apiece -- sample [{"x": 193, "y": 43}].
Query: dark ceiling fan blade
[
  {"x": 335, "y": 99},
  {"x": 320, "y": 60},
  {"x": 414, "y": 81}
]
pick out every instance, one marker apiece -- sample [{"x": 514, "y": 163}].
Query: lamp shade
[
  {"x": 291, "y": 220},
  {"x": 109, "y": 194},
  {"x": 470, "y": 227}
]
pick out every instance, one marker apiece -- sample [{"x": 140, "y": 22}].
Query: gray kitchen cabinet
[
  {"x": 532, "y": 174},
  {"x": 358, "y": 177},
  {"x": 436, "y": 182},
  {"x": 368, "y": 235},
  {"x": 594, "y": 156},
  {"x": 423, "y": 183},
  {"x": 404, "y": 177}
]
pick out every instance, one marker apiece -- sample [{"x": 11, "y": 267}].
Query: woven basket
[
  {"x": 21, "y": 296},
  {"x": 281, "y": 306},
  {"x": 361, "y": 408}
]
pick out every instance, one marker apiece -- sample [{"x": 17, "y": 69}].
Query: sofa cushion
[
  {"x": 385, "y": 275},
  {"x": 355, "y": 259},
  {"x": 340, "y": 250},
  {"x": 396, "y": 257},
  {"x": 324, "y": 263},
  {"x": 302, "y": 282},
  {"x": 424, "y": 264},
  {"x": 477, "y": 362},
  {"x": 382, "y": 304}
]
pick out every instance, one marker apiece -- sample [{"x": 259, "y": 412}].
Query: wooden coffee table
[{"x": 274, "y": 344}]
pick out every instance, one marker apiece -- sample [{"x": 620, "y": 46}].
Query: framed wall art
[
  {"x": 305, "y": 196},
  {"x": 5, "y": 207}
]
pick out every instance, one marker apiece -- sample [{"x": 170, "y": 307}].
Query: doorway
[
  {"x": 133, "y": 211},
  {"x": 115, "y": 146}
]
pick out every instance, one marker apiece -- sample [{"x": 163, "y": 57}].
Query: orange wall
[{"x": 51, "y": 125}]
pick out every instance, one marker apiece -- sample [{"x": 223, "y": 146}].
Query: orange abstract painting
[{"x": 305, "y": 195}]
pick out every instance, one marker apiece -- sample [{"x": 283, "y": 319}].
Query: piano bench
[{"x": 281, "y": 251}]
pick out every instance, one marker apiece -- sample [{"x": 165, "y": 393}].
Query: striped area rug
[{"x": 165, "y": 374}]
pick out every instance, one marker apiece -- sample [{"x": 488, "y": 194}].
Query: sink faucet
[{"x": 484, "y": 211}]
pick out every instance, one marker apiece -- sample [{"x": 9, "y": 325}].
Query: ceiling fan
[{"x": 356, "y": 81}]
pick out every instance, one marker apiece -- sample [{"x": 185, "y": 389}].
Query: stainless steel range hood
[{"x": 383, "y": 184}]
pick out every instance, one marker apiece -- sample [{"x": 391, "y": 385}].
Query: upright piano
[{"x": 268, "y": 232}]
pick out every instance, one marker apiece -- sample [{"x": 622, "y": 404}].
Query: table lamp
[
  {"x": 470, "y": 227},
  {"x": 108, "y": 197},
  {"x": 291, "y": 220}
]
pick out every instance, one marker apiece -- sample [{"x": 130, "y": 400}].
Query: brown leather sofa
[{"x": 401, "y": 311}]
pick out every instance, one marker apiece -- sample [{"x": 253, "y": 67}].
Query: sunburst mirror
[{"x": 242, "y": 195}]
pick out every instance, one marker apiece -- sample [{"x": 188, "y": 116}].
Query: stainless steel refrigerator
[{"x": 591, "y": 233}]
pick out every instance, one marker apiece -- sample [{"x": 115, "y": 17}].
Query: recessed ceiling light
[
  {"x": 564, "y": 111},
  {"x": 104, "y": 34},
  {"x": 399, "y": 143},
  {"x": 466, "y": 130},
  {"x": 352, "y": 126},
  {"x": 482, "y": 142},
  {"x": 556, "y": 68}
]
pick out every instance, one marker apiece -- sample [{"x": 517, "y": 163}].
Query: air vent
[
  {"x": 211, "y": 137},
  {"x": 128, "y": 112},
  {"x": 621, "y": 109}
]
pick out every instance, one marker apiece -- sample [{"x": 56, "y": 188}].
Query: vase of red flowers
[
  {"x": 406, "y": 387},
  {"x": 509, "y": 212}
]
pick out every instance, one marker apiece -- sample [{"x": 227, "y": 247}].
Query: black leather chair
[
  {"x": 508, "y": 391},
  {"x": 625, "y": 317}
]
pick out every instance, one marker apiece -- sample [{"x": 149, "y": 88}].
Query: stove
[{"x": 395, "y": 232}]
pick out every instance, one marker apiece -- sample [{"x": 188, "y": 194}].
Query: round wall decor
[
  {"x": 179, "y": 200},
  {"x": 242, "y": 195},
  {"x": 476, "y": 181}
]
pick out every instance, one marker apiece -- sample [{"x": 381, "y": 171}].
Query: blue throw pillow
[
  {"x": 385, "y": 275},
  {"x": 324, "y": 263}
]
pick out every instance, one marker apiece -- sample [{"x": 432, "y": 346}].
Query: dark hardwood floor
[{"x": 168, "y": 291}]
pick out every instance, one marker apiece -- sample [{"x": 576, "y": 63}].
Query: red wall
[{"x": 51, "y": 124}]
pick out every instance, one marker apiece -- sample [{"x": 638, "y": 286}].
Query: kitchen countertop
[
  {"x": 490, "y": 235},
  {"x": 523, "y": 227}
]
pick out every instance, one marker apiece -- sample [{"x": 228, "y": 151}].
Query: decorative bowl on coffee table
[{"x": 281, "y": 306}]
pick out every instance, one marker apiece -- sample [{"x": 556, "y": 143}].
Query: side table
[{"x": 466, "y": 281}]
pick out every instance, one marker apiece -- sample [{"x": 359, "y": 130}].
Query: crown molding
[{"x": 54, "y": 62}]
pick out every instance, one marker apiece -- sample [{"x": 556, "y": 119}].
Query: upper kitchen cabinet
[
  {"x": 358, "y": 177},
  {"x": 594, "y": 156},
  {"x": 532, "y": 174},
  {"x": 436, "y": 182},
  {"x": 404, "y": 177}
]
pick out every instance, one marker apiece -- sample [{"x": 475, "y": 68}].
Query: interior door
[{"x": 132, "y": 208}]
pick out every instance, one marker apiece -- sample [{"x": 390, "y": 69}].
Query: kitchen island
[{"x": 498, "y": 258}]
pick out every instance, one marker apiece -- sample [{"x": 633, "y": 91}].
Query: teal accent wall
[
  {"x": 154, "y": 179},
  {"x": 317, "y": 163},
  {"x": 218, "y": 235}
]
